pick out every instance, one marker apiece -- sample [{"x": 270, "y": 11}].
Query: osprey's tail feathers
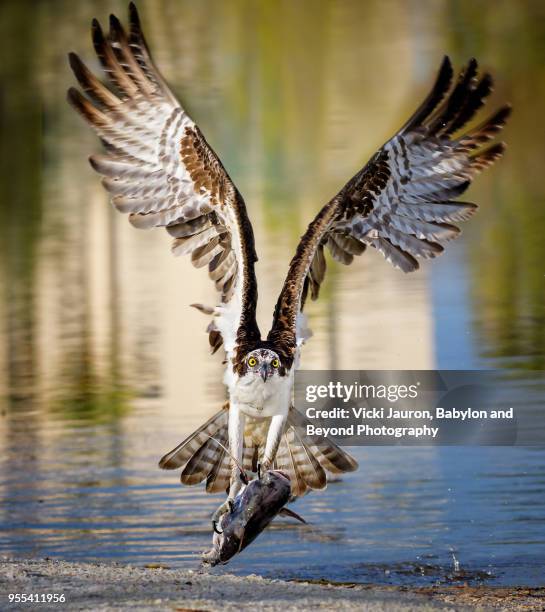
[
  {"x": 296, "y": 459},
  {"x": 320, "y": 449},
  {"x": 307, "y": 458},
  {"x": 203, "y": 455}
]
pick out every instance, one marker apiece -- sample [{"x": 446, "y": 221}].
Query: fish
[{"x": 253, "y": 509}]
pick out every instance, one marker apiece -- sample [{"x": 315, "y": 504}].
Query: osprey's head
[{"x": 261, "y": 362}]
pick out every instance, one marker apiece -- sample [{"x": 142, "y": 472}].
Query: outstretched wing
[
  {"x": 402, "y": 201},
  {"x": 160, "y": 170}
]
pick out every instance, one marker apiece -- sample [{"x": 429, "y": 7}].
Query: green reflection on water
[
  {"x": 507, "y": 250},
  {"x": 21, "y": 194}
]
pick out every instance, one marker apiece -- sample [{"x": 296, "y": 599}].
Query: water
[{"x": 103, "y": 368}]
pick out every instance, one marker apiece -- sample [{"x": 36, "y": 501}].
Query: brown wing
[
  {"x": 401, "y": 202},
  {"x": 160, "y": 170}
]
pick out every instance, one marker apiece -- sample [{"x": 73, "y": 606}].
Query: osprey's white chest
[{"x": 261, "y": 399}]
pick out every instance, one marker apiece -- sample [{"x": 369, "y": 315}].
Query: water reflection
[{"x": 102, "y": 365}]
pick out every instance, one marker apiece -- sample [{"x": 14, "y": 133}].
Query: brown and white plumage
[
  {"x": 159, "y": 169},
  {"x": 402, "y": 202},
  {"x": 306, "y": 459}
]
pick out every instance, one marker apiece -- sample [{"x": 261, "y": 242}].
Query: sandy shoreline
[{"x": 101, "y": 586}]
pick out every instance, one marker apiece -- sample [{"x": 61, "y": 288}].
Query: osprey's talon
[
  {"x": 227, "y": 506},
  {"x": 215, "y": 527},
  {"x": 243, "y": 478},
  {"x": 262, "y": 466}
]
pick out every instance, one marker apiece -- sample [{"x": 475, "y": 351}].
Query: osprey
[{"x": 160, "y": 170}]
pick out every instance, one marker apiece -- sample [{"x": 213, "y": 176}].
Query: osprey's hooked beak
[{"x": 264, "y": 371}]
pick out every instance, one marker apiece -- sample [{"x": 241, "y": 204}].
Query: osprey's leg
[
  {"x": 274, "y": 435},
  {"x": 236, "y": 447}
]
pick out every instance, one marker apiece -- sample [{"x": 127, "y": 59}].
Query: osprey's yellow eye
[
  {"x": 275, "y": 363},
  {"x": 252, "y": 362}
]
